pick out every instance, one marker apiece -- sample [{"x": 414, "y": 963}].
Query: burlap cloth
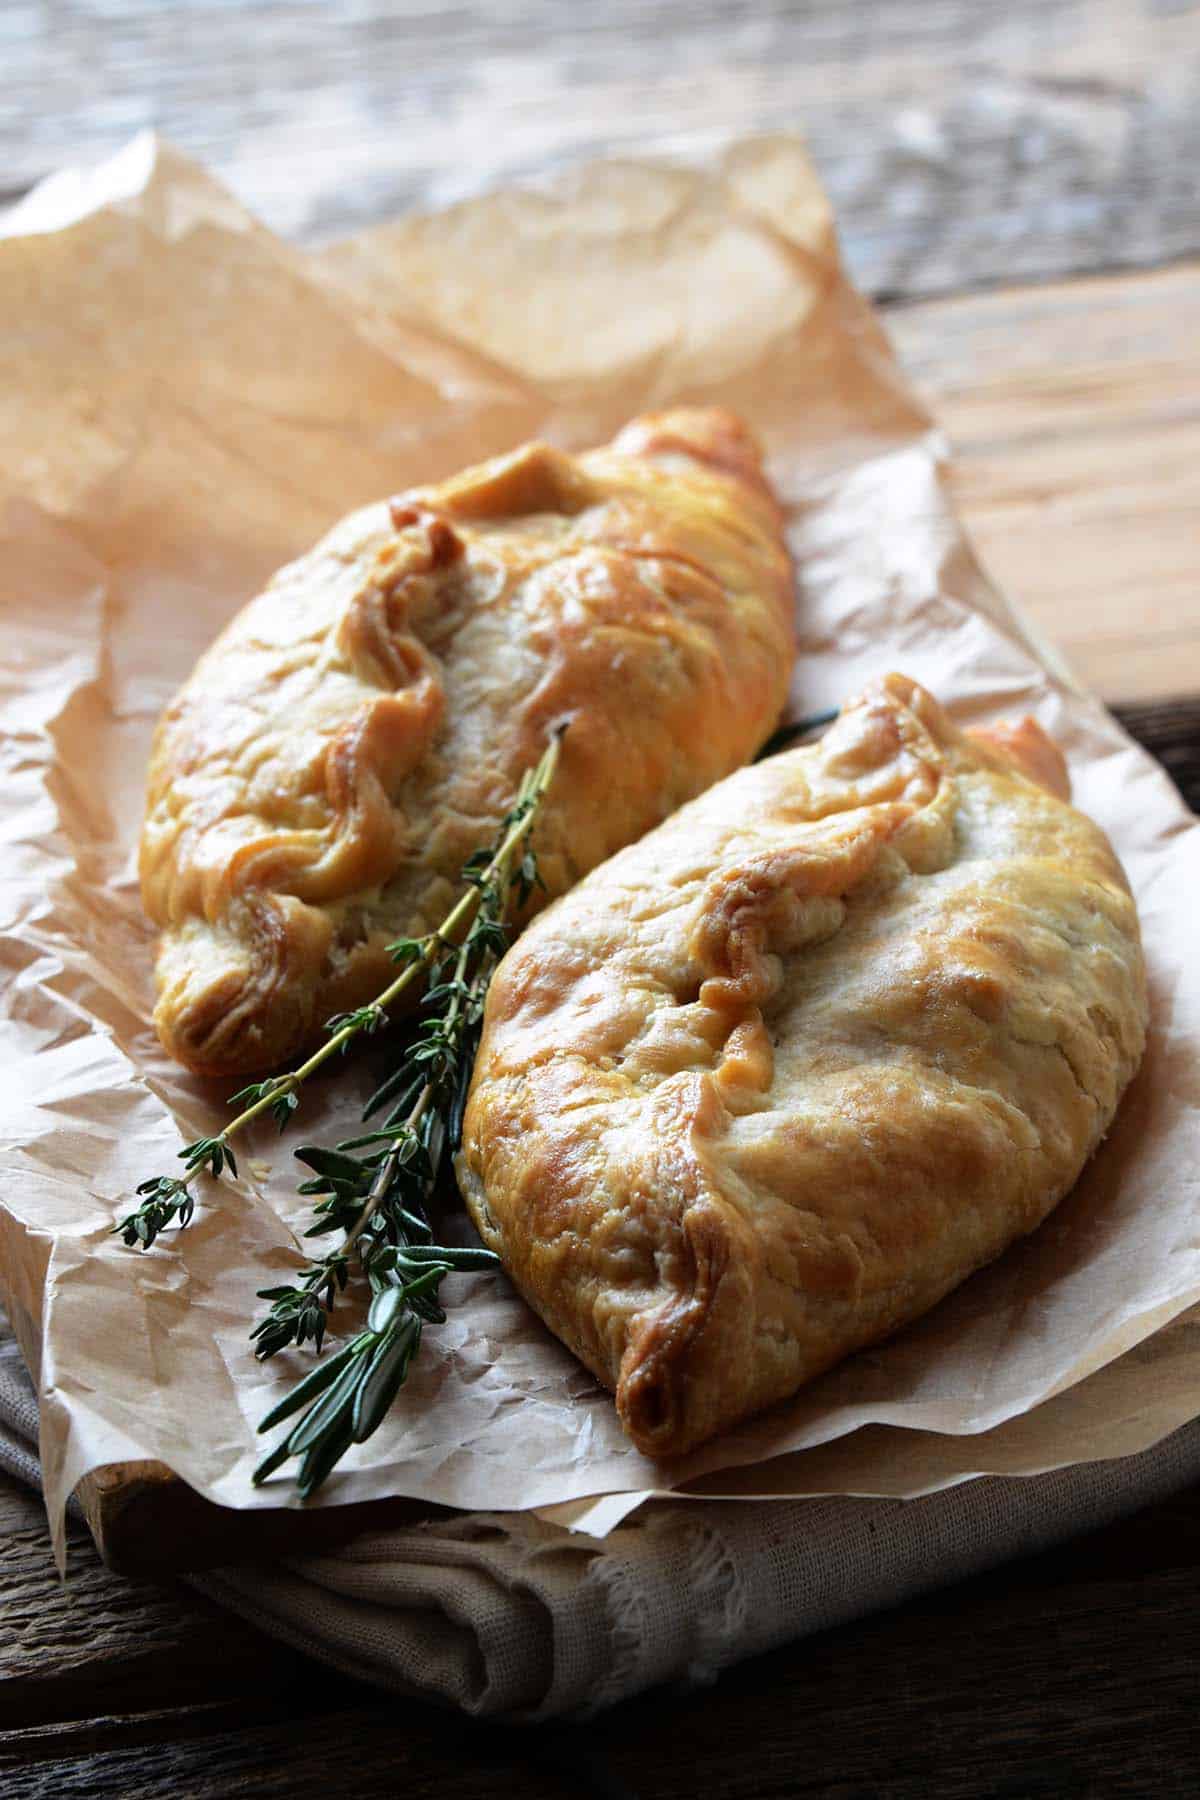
[{"x": 508, "y": 1617}]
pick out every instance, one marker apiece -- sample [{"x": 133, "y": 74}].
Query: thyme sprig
[
  {"x": 375, "y": 1189},
  {"x": 169, "y": 1199}
]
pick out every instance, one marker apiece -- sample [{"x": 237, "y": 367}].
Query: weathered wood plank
[
  {"x": 361, "y": 1753},
  {"x": 1073, "y": 411},
  {"x": 962, "y": 142},
  {"x": 1171, "y": 731},
  {"x": 1068, "y": 1673},
  {"x": 96, "y": 1642},
  {"x": 979, "y": 1693}
]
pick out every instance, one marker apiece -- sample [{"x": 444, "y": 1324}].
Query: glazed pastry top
[
  {"x": 361, "y": 727},
  {"x": 771, "y": 1081}
]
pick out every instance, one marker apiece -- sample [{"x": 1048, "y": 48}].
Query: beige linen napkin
[{"x": 509, "y": 1617}]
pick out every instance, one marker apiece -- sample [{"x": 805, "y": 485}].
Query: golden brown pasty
[
  {"x": 361, "y": 727},
  {"x": 772, "y": 1081}
]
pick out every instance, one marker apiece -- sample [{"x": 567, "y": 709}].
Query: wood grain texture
[
  {"x": 1069, "y": 1673},
  {"x": 71, "y": 1649},
  {"x": 962, "y": 142},
  {"x": 1073, "y": 415},
  {"x": 1170, "y": 730}
]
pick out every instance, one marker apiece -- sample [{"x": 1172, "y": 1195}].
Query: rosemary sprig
[
  {"x": 375, "y": 1188},
  {"x": 169, "y": 1199}
]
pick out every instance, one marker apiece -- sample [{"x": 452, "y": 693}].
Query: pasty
[
  {"x": 772, "y": 1081},
  {"x": 360, "y": 728}
]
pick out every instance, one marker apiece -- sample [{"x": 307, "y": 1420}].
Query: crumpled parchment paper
[{"x": 185, "y": 403}]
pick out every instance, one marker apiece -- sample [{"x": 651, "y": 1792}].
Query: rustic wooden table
[{"x": 1018, "y": 185}]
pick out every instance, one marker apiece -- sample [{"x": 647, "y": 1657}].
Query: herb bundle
[{"x": 374, "y": 1189}]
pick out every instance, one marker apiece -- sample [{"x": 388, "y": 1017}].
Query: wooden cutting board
[
  {"x": 146, "y": 1522},
  {"x": 1074, "y": 414}
]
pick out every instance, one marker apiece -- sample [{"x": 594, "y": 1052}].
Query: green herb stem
[{"x": 375, "y": 1188}]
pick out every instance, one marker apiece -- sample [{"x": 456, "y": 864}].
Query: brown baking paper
[{"x": 185, "y": 402}]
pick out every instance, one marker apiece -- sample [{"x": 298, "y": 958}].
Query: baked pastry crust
[
  {"x": 361, "y": 727},
  {"x": 771, "y": 1082}
]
